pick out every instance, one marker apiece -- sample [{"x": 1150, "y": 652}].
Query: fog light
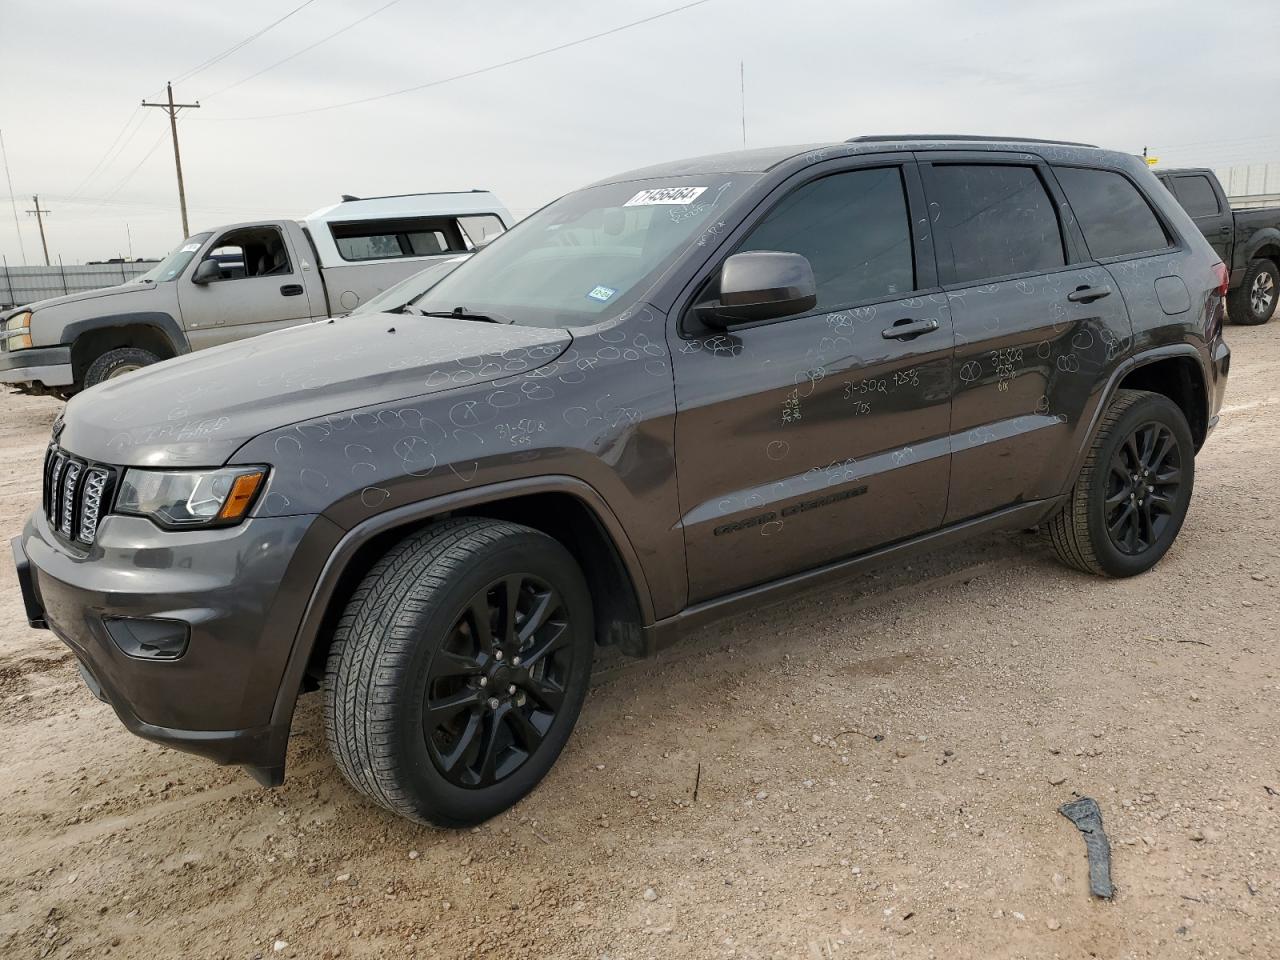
[{"x": 149, "y": 639}]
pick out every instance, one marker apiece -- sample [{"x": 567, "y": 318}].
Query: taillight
[{"x": 1223, "y": 276}]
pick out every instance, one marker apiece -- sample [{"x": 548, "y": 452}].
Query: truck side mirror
[
  {"x": 762, "y": 285},
  {"x": 208, "y": 271}
]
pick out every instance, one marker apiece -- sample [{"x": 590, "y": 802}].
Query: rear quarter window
[{"x": 1114, "y": 216}]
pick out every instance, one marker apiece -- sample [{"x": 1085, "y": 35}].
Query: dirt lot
[{"x": 880, "y": 771}]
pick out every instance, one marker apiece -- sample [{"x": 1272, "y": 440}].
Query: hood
[
  {"x": 198, "y": 409},
  {"x": 117, "y": 290}
]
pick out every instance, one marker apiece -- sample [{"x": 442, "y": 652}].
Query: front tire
[
  {"x": 458, "y": 670},
  {"x": 1131, "y": 497},
  {"x": 116, "y": 363},
  {"x": 1254, "y": 301}
]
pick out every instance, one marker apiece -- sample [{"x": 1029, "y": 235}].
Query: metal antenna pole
[
  {"x": 742, "y": 89},
  {"x": 13, "y": 202}
]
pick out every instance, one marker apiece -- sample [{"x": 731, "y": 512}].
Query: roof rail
[
  {"x": 963, "y": 137},
  {"x": 348, "y": 198}
]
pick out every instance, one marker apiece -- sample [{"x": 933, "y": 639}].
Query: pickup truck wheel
[
  {"x": 1131, "y": 497},
  {"x": 116, "y": 363},
  {"x": 458, "y": 670},
  {"x": 1254, "y": 301}
]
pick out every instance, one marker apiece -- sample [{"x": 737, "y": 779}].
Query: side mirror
[
  {"x": 207, "y": 272},
  {"x": 763, "y": 285}
]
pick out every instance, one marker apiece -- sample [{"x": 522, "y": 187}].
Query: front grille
[{"x": 75, "y": 494}]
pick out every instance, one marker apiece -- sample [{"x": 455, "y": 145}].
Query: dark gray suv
[{"x": 660, "y": 399}]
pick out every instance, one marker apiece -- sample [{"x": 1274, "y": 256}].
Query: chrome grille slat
[{"x": 75, "y": 494}]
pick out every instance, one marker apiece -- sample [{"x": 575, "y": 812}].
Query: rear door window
[
  {"x": 1197, "y": 196},
  {"x": 994, "y": 220},
  {"x": 1116, "y": 219},
  {"x": 855, "y": 231}
]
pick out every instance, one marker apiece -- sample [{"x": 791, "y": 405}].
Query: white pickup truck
[{"x": 240, "y": 280}]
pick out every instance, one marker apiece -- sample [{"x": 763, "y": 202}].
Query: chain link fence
[{"x": 22, "y": 285}]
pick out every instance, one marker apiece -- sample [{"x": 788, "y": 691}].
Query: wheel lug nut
[
  {"x": 515, "y": 661},
  {"x": 494, "y": 703},
  {"x": 497, "y": 654},
  {"x": 511, "y": 689},
  {"x": 484, "y": 681}
]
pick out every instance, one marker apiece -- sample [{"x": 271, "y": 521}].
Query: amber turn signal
[{"x": 241, "y": 495}]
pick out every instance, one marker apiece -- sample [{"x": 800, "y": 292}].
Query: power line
[
  {"x": 199, "y": 68},
  {"x": 306, "y": 49},
  {"x": 475, "y": 73},
  {"x": 106, "y": 153},
  {"x": 136, "y": 167}
]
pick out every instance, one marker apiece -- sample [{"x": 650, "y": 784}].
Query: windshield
[
  {"x": 406, "y": 291},
  {"x": 177, "y": 260},
  {"x": 589, "y": 254}
]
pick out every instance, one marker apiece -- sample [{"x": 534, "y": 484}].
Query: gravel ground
[{"x": 871, "y": 772}]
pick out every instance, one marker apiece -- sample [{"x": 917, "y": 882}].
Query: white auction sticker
[
  {"x": 191, "y": 248},
  {"x": 680, "y": 195}
]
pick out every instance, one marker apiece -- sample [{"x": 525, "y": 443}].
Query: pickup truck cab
[
  {"x": 240, "y": 280},
  {"x": 1247, "y": 240},
  {"x": 661, "y": 399}
]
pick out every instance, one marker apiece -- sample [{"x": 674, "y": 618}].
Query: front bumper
[
  {"x": 50, "y": 366},
  {"x": 242, "y": 591}
]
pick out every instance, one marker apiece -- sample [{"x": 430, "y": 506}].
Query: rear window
[
  {"x": 1196, "y": 196},
  {"x": 413, "y": 237},
  {"x": 995, "y": 220},
  {"x": 1115, "y": 218}
]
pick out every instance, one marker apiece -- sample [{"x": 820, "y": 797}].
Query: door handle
[
  {"x": 1089, "y": 294},
  {"x": 1225, "y": 229},
  {"x": 908, "y": 329},
  {"x": 291, "y": 290}
]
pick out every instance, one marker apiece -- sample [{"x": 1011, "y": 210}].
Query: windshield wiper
[{"x": 462, "y": 313}]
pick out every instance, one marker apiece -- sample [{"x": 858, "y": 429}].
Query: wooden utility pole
[
  {"x": 39, "y": 214},
  {"x": 172, "y": 109}
]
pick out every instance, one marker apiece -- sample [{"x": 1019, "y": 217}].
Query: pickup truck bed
[{"x": 1247, "y": 240}]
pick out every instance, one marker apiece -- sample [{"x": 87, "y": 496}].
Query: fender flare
[
  {"x": 352, "y": 540},
  {"x": 1121, "y": 371},
  {"x": 163, "y": 322},
  {"x": 1265, "y": 236}
]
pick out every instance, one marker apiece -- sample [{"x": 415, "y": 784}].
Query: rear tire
[
  {"x": 438, "y": 704},
  {"x": 116, "y": 363},
  {"x": 1113, "y": 524},
  {"x": 1254, "y": 301}
]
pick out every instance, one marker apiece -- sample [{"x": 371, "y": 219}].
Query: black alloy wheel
[
  {"x": 1143, "y": 488},
  {"x": 1133, "y": 490},
  {"x": 458, "y": 670},
  {"x": 497, "y": 681}
]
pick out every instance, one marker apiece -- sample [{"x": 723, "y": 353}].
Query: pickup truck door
[
  {"x": 811, "y": 438},
  {"x": 262, "y": 288},
  {"x": 1208, "y": 206},
  {"x": 1037, "y": 325}
]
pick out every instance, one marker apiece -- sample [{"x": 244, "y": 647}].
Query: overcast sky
[{"x": 1190, "y": 79}]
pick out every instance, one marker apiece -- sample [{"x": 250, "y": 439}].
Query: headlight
[
  {"x": 190, "y": 498},
  {"x": 17, "y": 331}
]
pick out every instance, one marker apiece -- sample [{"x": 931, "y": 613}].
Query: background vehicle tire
[
  {"x": 439, "y": 703},
  {"x": 1131, "y": 497},
  {"x": 117, "y": 362},
  {"x": 1254, "y": 301}
]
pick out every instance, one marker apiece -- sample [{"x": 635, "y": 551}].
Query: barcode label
[{"x": 680, "y": 195}]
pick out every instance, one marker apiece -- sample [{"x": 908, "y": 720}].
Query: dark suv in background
[{"x": 663, "y": 398}]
